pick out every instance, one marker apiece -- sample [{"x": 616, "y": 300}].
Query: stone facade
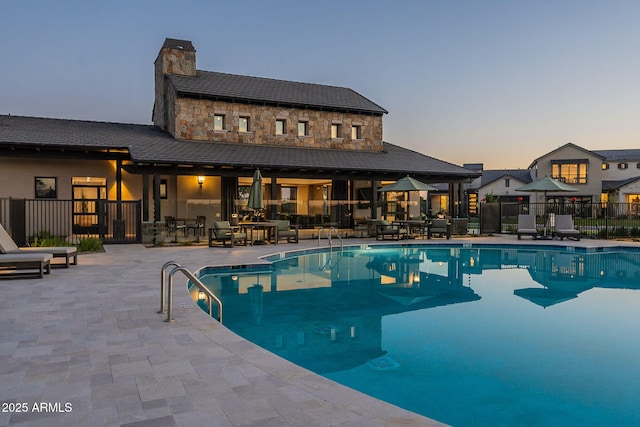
[{"x": 194, "y": 121}]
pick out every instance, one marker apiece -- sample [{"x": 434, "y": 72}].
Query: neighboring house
[
  {"x": 621, "y": 177},
  {"x": 320, "y": 150}
]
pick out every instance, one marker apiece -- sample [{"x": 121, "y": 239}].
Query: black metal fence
[
  {"x": 112, "y": 221},
  {"x": 595, "y": 220}
]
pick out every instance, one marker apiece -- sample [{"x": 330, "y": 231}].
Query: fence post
[{"x": 17, "y": 212}]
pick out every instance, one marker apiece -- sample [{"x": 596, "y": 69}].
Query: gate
[{"x": 120, "y": 222}]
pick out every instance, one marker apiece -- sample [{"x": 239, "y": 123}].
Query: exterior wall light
[{"x": 200, "y": 180}]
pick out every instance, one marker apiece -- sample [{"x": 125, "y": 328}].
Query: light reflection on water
[{"x": 468, "y": 336}]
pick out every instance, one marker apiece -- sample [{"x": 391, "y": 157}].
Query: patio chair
[
  {"x": 386, "y": 229},
  {"x": 8, "y": 246},
  {"x": 564, "y": 228},
  {"x": 441, "y": 227},
  {"x": 198, "y": 226},
  {"x": 24, "y": 264},
  {"x": 222, "y": 232},
  {"x": 527, "y": 226},
  {"x": 284, "y": 230},
  {"x": 173, "y": 227}
]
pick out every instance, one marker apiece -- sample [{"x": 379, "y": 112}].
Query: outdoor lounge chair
[
  {"x": 8, "y": 246},
  {"x": 223, "y": 232},
  {"x": 564, "y": 228},
  {"x": 24, "y": 264},
  {"x": 285, "y": 231},
  {"x": 386, "y": 229},
  {"x": 527, "y": 226},
  {"x": 438, "y": 226}
]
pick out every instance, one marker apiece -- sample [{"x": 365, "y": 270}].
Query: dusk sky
[{"x": 493, "y": 82}]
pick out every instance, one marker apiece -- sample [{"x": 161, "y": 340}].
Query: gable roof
[
  {"x": 569, "y": 144},
  {"x": 489, "y": 176},
  {"x": 146, "y": 146},
  {"x": 614, "y": 185},
  {"x": 615, "y": 155},
  {"x": 237, "y": 88}
]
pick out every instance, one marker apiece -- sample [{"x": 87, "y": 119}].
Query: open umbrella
[
  {"x": 405, "y": 185},
  {"x": 256, "y": 201},
  {"x": 545, "y": 185}
]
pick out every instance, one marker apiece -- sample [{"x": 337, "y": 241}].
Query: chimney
[{"x": 175, "y": 57}]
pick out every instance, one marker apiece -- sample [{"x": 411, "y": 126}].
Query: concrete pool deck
[{"x": 88, "y": 343}]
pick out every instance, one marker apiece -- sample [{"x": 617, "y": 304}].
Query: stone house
[{"x": 319, "y": 148}]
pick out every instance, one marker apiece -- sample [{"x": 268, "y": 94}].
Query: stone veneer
[{"x": 194, "y": 121}]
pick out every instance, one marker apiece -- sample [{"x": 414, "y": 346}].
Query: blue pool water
[{"x": 480, "y": 335}]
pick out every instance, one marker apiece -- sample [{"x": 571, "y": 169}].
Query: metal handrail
[
  {"x": 163, "y": 280},
  {"x": 328, "y": 235},
  {"x": 210, "y": 296}
]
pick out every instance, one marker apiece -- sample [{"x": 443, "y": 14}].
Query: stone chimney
[{"x": 175, "y": 57}]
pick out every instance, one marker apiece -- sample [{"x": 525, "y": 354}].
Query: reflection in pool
[{"x": 480, "y": 335}]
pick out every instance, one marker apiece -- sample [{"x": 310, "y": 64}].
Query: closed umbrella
[
  {"x": 256, "y": 201},
  {"x": 545, "y": 185}
]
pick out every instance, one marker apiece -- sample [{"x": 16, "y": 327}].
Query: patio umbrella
[
  {"x": 256, "y": 201},
  {"x": 545, "y": 185},
  {"x": 405, "y": 185}
]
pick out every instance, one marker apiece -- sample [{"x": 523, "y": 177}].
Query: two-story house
[{"x": 319, "y": 148}]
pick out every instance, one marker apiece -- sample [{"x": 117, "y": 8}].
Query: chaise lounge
[
  {"x": 25, "y": 264},
  {"x": 8, "y": 246},
  {"x": 564, "y": 228},
  {"x": 527, "y": 226}
]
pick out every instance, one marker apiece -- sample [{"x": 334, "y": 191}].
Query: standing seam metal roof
[{"x": 258, "y": 89}]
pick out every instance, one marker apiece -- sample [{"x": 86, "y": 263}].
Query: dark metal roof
[
  {"x": 236, "y": 88},
  {"x": 178, "y": 44},
  {"x": 489, "y": 176},
  {"x": 615, "y": 155},
  {"x": 148, "y": 146},
  {"x": 614, "y": 185}
]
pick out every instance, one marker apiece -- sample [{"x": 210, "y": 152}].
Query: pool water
[{"x": 464, "y": 335}]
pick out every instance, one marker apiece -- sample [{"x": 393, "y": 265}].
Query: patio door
[{"x": 87, "y": 192}]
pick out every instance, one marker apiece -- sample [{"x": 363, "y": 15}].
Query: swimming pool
[{"x": 467, "y": 335}]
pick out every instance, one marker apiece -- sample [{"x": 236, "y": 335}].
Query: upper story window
[
  {"x": 336, "y": 130},
  {"x": 571, "y": 173},
  {"x": 281, "y": 127},
  {"x": 507, "y": 182},
  {"x": 605, "y": 166},
  {"x": 356, "y": 132},
  {"x": 218, "y": 122},
  {"x": 303, "y": 128},
  {"x": 243, "y": 124},
  {"x": 623, "y": 165}
]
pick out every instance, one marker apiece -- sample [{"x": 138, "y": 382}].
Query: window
[
  {"x": 623, "y": 165},
  {"x": 507, "y": 182},
  {"x": 289, "y": 197},
  {"x": 218, "y": 122},
  {"x": 336, "y": 130},
  {"x": 356, "y": 132},
  {"x": 303, "y": 128},
  {"x": 244, "y": 124},
  {"x": 281, "y": 127},
  {"x": 605, "y": 166},
  {"x": 571, "y": 173}
]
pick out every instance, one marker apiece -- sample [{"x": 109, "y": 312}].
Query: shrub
[
  {"x": 90, "y": 244},
  {"x": 45, "y": 238}
]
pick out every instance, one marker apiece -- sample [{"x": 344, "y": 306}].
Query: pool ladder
[
  {"x": 168, "y": 294},
  {"x": 328, "y": 233}
]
